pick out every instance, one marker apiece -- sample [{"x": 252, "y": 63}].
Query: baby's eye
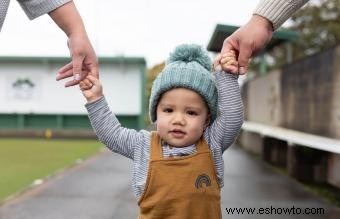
[
  {"x": 167, "y": 110},
  {"x": 192, "y": 113}
]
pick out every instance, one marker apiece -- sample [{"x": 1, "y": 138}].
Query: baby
[{"x": 177, "y": 169}]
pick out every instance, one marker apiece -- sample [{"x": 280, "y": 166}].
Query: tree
[
  {"x": 318, "y": 26},
  {"x": 150, "y": 77}
]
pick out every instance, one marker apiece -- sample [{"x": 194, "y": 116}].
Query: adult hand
[
  {"x": 84, "y": 61},
  {"x": 247, "y": 40}
]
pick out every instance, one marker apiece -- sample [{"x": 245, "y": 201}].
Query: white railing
[{"x": 294, "y": 137}]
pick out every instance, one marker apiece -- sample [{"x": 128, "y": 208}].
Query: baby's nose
[{"x": 179, "y": 118}]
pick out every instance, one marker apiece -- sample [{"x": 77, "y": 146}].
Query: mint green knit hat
[{"x": 189, "y": 66}]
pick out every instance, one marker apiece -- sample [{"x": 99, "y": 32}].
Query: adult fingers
[
  {"x": 94, "y": 71},
  {"x": 230, "y": 68},
  {"x": 228, "y": 45},
  {"x": 65, "y": 74},
  {"x": 243, "y": 58},
  {"x": 230, "y": 54},
  {"x": 71, "y": 83},
  {"x": 65, "y": 68},
  {"x": 77, "y": 63}
]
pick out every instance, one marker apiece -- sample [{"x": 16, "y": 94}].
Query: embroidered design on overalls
[{"x": 202, "y": 179}]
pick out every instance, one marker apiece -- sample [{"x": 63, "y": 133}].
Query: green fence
[{"x": 41, "y": 121}]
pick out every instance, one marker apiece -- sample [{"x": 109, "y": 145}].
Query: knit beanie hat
[{"x": 189, "y": 66}]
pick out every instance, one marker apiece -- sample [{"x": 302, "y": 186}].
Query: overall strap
[
  {"x": 202, "y": 145},
  {"x": 156, "y": 152}
]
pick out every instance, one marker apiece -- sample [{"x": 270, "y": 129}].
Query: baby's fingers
[
  {"x": 217, "y": 64},
  {"x": 85, "y": 84},
  {"x": 93, "y": 80},
  {"x": 230, "y": 53},
  {"x": 232, "y": 62},
  {"x": 230, "y": 68},
  {"x": 229, "y": 60},
  {"x": 228, "y": 57},
  {"x": 82, "y": 86}
]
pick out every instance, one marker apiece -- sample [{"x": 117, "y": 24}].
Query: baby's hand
[
  {"x": 91, "y": 88},
  {"x": 227, "y": 62}
]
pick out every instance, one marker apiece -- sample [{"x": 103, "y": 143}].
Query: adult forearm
[
  {"x": 84, "y": 59},
  {"x": 278, "y": 11},
  {"x": 68, "y": 19}
]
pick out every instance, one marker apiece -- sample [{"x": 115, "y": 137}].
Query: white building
[{"x": 31, "y": 98}]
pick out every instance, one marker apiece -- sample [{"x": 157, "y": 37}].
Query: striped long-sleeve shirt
[{"x": 135, "y": 144}]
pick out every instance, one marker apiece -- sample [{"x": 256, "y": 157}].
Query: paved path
[
  {"x": 100, "y": 188},
  {"x": 251, "y": 183}
]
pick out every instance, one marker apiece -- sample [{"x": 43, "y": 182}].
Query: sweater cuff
[
  {"x": 223, "y": 74},
  {"x": 34, "y": 9},
  {"x": 96, "y": 105},
  {"x": 278, "y": 11}
]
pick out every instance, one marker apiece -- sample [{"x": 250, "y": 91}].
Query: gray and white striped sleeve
[
  {"x": 109, "y": 131},
  {"x": 226, "y": 127},
  {"x": 278, "y": 11}
]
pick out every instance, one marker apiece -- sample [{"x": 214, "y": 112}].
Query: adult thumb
[
  {"x": 227, "y": 46},
  {"x": 94, "y": 71},
  {"x": 243, "y": 59},
  {"x": 77, "y": 63}
]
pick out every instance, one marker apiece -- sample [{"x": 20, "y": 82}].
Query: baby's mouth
[{"x": 177, "y": 133}]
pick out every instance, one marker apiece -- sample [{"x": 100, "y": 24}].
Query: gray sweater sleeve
[
  {"x": 223, "y": 132},
  {"x": 278, "y": 11},
  {"x": 109, "y": 130},
  {"x": 36, "y": 8},
  {"x": 3, "y": 11}
]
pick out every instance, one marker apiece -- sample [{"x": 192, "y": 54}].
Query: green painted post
[
  {"x": 60, "y": 121},
  {"x": 263, "y": 64},
  {"x": 289, "y": 57},
  {"x": 141, "y": 122},
  {"x": 21, "y": 121}
]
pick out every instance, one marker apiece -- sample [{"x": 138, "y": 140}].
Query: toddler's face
[{"x": 182, "y": 116}]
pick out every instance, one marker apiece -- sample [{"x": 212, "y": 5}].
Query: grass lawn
[{"x": 24, "y": 160}]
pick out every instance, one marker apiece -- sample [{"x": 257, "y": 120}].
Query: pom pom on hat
[
  {"x": 191, "y": 53},
  {"x": 189, "y": 66}
]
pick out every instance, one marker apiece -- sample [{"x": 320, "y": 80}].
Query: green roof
[
  {"x": 223, "y": 31},
  {"x": 38, "y": 59}
]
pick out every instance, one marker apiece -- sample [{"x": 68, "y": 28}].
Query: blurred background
[{"x": 291, "y": 94}]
